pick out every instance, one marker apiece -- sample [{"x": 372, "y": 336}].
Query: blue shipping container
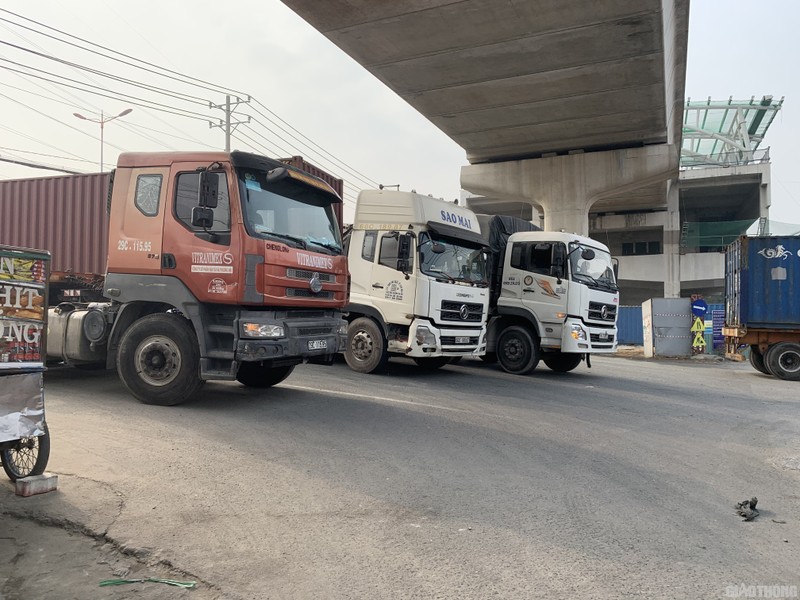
[{"x": 762, "y": 282}]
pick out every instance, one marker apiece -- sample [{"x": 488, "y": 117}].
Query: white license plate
[
  {"x": 462, "y": 339},
  {"x": 317, "y": 344}
]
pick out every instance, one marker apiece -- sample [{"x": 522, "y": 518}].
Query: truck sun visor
[{"x": 457, "y": 233}]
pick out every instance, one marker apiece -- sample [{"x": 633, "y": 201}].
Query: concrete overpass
[{"x": 561, "y": 107}]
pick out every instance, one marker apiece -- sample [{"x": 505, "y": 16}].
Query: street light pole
[{"x": 102, "y": 122}]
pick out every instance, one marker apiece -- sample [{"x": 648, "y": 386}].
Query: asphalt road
[{"x": 614, "y": 482}]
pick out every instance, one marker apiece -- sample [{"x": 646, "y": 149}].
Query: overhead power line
[
  {"x": 86, "y": 160},
  {"x": 174, "y": 74},
  {"x": 147, "y": 86},
  {"x": 278, "y": 130},
  {"x": 33, "y": 165}
]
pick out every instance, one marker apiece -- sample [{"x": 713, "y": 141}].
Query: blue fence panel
[{"x": 629, "y": 326}]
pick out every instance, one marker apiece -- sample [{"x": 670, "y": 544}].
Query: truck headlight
[
  {"x": 259, "y": 330},
  {"x": 425, "y": 337},
  {"x": 343, "y": 329},
  {"x": 578, "y": 333}
]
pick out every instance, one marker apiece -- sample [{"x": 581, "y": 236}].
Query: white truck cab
[
  {"x": 419, "y": 283},
  {"x": 554, "y": 298}
]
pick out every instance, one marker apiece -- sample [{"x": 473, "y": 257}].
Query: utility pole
[{"x": 228, "y": 125}]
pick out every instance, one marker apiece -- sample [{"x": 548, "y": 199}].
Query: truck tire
[
  {"x": 256, "y": 375},
  {"x": 561, "y": 362},
  {"x": 517, "y": 350},
  {"x": 757, "y": 360},
  {"x": 159, "y": 360},
  {"x": 432, "y": 363},
  {"x": 783, "y": 360},
  {"x": 366, "y": 346},
  {"x": 28, "y": 456}
]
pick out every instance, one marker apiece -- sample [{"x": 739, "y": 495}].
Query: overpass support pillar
[
  {"x": 566, "y": 187},
  {"x": 672, "y": 243}
]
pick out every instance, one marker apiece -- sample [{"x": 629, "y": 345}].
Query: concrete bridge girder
[{"x": 564, "y": 188}]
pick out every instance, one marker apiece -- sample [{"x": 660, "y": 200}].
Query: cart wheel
[{"x": 27, "y": 456}]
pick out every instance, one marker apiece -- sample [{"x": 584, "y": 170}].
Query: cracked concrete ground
[{"x": 50, "y": 548}]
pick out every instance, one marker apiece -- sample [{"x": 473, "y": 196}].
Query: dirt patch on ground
[{"x": 60, "y": 563}]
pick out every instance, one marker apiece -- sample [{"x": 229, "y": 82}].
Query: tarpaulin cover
[
  {"x": 497, "y": 229},
  {"x": 21, "y": 406}
]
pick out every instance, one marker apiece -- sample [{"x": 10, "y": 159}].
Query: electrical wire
[
  {"x": 172, "y": 112},
  {"x": 180, "y": 96},
  {"x": 83, "y": 101},
  {"x": 340, "y": 164},
  {"x": 86, "y": 160},
  {"x": 128, "y": 98},
  {"x": 147, "y": 86},
  {"x": 191, "y": 80},
  {"x": 320, "y": 148}
]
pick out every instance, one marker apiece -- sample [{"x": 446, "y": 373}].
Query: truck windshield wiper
[
  {"x": 285, "y": 236},
  {"x": 598, "y": 282},
  {"x": 608, "y": 285},
  {"x": 587, "y": 278},
  {"x": 334, "y": 247},
  {"x": 442, "y": 275}
]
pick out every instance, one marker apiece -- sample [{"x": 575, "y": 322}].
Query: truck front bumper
[
  {"x": 578, "y": 336},
  {"x": 292, "y": 337},
  {"x": 427, "y": 340}
]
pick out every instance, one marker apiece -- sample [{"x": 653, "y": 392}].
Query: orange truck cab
[{"x": 220, "y": 266}]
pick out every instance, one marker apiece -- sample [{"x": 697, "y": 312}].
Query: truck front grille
[
  {"x": 452, "y": 311},
  {"x": 314, "y": 330},
  {"x": 596, "y": 311},
  {"x": 304, "y": 274},
  {"x": 303, "y": 293}
]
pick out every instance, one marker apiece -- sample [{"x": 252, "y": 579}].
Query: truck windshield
[
  {"x": 596, "y": 272},
  {"x": 289, "y": 211},
  {"x": 447, "y": 259}
]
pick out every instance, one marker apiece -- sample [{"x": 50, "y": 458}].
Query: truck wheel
[
  {"x": 432, "y": 363},
  {"x": 561, "y": 362},
  {"x": 28, "y": 456},
  {"x": 255, "y": 374},
  {"x": 366, "y": 346},
  {"x": 757, "y": 360},
  {"x": 159, "y": 360},
  {"x": 783, "y": 360},
  {"x": 517, "y": 350}
]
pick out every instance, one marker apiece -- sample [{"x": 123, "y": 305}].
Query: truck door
[
  {"x": 540, "y": 292},
  {"x": 205, "y": 260},
  {"x": 135, "y": 227},
  {"x": 391, "y": 292}
]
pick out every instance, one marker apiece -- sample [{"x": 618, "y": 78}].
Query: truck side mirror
[
  {"x": 404, "y": 254},
  {"x": 209, "y": 190},
  {"x": 559, "y": 262},
  {"x": 202, "y": 217},
  {"x": 404, "y": 247},
  {"x": 615, "y": 263}
]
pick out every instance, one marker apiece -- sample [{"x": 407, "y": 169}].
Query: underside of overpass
[{"x": 530, "y": 89}]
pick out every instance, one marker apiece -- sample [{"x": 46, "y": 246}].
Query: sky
[{"x": 312, "y": 99}]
